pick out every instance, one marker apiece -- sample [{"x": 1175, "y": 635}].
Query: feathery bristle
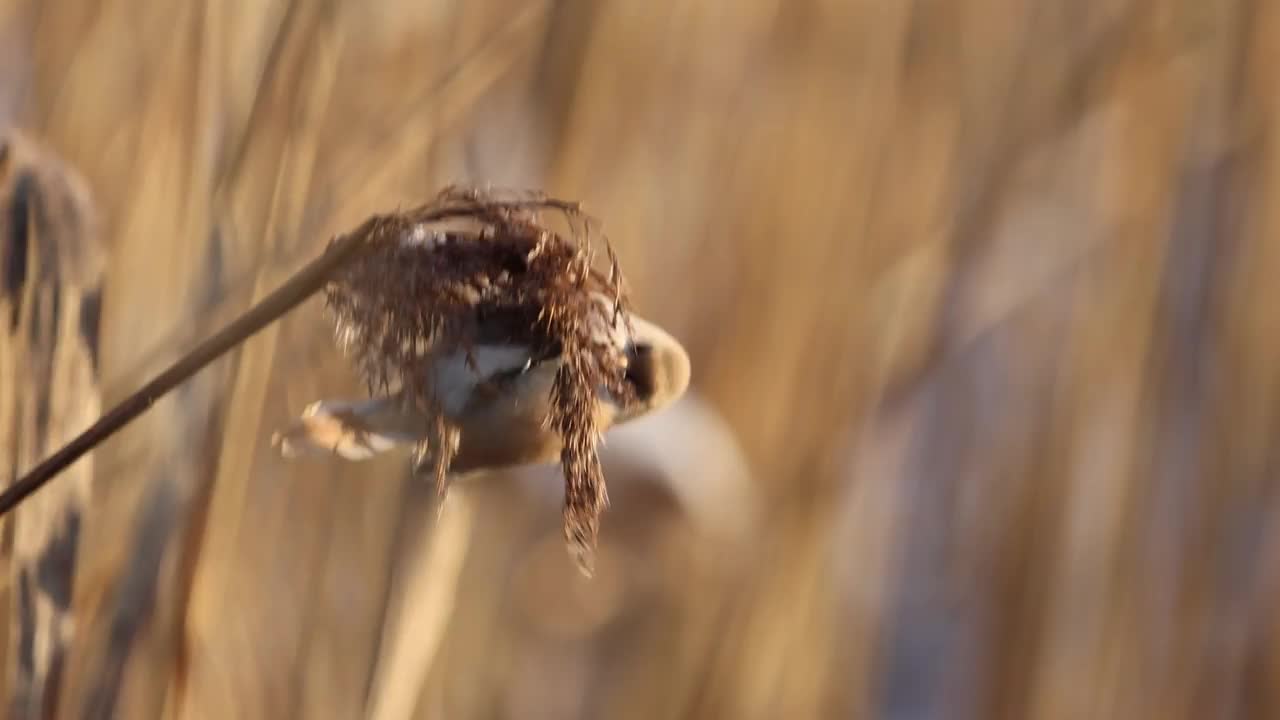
[{"x": 472, "y": 267}]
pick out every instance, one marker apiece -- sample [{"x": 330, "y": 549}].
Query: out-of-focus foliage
[{"x": 978, "y": 294}]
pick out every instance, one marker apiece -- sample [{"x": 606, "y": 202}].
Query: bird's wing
[{"x": 455, "y": 377}]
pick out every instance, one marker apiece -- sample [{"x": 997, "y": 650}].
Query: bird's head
[{"x": 657, "y": 369}]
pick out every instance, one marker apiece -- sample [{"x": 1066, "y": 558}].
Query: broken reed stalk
[
  {"x": 300, "y": 286},
  {"x": 405, "y": 295}
]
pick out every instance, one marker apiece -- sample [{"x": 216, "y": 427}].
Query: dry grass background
[{"x": 979, "y": 297}]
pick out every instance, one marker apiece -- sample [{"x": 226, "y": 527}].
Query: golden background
[{"x": 984, "y": 419}]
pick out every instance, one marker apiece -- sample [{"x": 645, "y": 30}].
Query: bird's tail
[{"x": 352, "y": 430}]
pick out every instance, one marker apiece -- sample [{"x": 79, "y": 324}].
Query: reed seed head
[{"x": 476, "y": 266}]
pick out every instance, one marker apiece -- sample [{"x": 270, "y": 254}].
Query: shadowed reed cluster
[{"x": 473, "y": 268}]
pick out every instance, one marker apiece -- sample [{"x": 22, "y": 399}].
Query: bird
[{"x": 498, "y": 400}]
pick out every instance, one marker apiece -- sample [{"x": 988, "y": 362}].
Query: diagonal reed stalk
[{"x": 300, "y": 286}]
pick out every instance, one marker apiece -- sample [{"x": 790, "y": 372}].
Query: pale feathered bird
[{"x": 499, "y": 403}]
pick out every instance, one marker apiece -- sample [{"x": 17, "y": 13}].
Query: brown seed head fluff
[{"x": 478, "y": 266}]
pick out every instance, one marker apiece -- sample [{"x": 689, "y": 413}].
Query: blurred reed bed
[{"x": 977, "y": 294}]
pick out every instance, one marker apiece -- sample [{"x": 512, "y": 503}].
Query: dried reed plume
[
  {"x": 496, "y": 272},
  {"x": 408, "y": 288}
]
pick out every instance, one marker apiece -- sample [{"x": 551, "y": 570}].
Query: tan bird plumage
[{"x": 499, "y": 406}]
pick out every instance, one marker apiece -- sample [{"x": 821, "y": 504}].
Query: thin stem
[
  {"x": 292, "y": 293},
  {"x": 302, "y": 285}
]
